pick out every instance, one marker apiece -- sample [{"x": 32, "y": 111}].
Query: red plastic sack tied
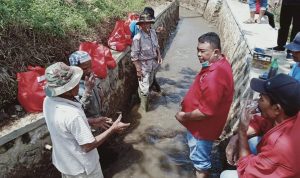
[
  {"x": 31, "y": 89},
  {"x": 120, "y": 38},
  {"x": 131, "y": 17},
  {"x": 101, "y": 58}
]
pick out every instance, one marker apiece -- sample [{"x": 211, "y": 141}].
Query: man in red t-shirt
[
  {"x": 206, "y": 105},
  {"x": 278, "y": 151}
]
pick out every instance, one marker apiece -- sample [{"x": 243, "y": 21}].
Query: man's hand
[
  {"x": 89, "y": 83},
  {"x": 160, "y": 29},
  {"x": 138, "y": 68},
  {"x": 247, "y": 114},
  {"x": 119, "y": 126},
  {"x": 180, "y": 116},
  {"x": 139, "y": 74},
  {"x": 232, "y": 150},
  {"x": 159, "y": 60},
  {"x": 101, "y": 122}
]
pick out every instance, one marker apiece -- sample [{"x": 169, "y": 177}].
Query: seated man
[
  {"x": 278, "y": 150},
  {"x": 294, "y": 47}
]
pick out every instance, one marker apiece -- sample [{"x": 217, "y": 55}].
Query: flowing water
[{"x": 155, "y": 146}]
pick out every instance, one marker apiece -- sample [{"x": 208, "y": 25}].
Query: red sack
[
  {"x": 131, "y": 17},
  {"x": 31, "y": 89},
  {"x": 98, "y": 58},
  {"x": 110, "y": 61},
  {"x": 120, "y": 38}
]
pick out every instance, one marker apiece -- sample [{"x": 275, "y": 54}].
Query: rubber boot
[
  {"x": 155, "y": 86},
  {"x": 144, "y": 102}
]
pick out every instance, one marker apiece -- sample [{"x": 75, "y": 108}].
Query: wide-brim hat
[
  {"x": 145, "y": 18},
  {"x": 295, "y": 45},
  {"x": 61, "y": 78}
]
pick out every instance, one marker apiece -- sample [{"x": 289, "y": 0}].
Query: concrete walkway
[{"x": 258, "y": 35}]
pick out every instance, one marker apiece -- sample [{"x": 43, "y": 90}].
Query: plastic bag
[
  {"x": 120, "y": 38},
  {"x": 110, "y": 61},
  {"x": 31, "y": 89},
  {"x": 101, "y": 58}
]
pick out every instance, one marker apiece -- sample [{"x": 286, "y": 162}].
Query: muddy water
[{"x": 155, "y": 147}]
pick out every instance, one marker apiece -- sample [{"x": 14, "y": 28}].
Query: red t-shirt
[
  {"x": 211, "y": 93},
  {"x": 278, "y": 152}
]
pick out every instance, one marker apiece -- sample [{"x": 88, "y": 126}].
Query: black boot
[{"x": 155, "y": 86}]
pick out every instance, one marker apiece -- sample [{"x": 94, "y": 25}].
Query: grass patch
[{"x": 60, "y": 17}]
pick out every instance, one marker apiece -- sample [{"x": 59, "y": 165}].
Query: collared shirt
[
  {"x": 211, "y": 93},
  {"x": 90, "y": 103},
  {"x": 144, "y": 48},
  {"x": 278, "y": 151},
  {"x": 69, "y": 129},
  {"x": 295, "y": 71}
]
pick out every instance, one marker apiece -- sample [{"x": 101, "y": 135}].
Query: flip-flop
[{"x": 249, "y": 21}]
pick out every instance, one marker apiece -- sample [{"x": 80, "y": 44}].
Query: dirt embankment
[{"x": 21, "y": 47}]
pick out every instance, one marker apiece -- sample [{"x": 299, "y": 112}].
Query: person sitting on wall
[
  {"x": 278, "y": 150},
  {"x": 89, "y": 92},
  {"x": 74, "y": 151},
  {"x": 294, "y": 47}
]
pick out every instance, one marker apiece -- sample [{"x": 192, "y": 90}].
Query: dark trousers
[
  {"x": 271, "y": 18},
  {"x": 288, "y": 14}
]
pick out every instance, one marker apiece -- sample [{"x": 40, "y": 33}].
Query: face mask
[{"x": 205, "y": 64}]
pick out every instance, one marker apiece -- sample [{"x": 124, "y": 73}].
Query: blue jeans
[
  {"x": 200, "y": 152},
  {"x": 253, "y": 142},
  {"x": 252, "y": 5}
]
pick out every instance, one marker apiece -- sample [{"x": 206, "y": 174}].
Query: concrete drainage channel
[{"x": 22, "y": 145}]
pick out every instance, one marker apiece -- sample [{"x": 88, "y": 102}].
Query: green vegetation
[{"x": 60, "y": 17}]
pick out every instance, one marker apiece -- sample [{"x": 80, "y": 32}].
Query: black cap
[
  {"x": 282, "y": 88},
  {"x": 150, "y": 11}
]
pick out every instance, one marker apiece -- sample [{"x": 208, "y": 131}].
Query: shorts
[
  {"x": 252, "y": 5},
  {"x": 97, "y": 173},
  {"x": 200, "y": 152}
]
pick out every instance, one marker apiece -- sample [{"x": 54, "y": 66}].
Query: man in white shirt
[{"x": 74, "y": 147}]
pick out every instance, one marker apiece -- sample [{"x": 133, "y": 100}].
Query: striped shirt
[{"x": 69, "y": 129}]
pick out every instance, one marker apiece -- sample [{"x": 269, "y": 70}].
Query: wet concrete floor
[{"x": 155, "y": 147}]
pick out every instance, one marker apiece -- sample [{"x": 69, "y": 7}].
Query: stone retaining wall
[{"x": 22, "y": 143}]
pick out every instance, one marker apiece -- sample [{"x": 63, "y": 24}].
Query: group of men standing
[{"x": 72, "y": 107}]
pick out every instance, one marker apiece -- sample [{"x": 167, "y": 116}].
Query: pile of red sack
[{"x": 31, "y": 83}]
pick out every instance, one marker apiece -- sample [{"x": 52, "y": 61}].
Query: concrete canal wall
[{"x": 22, "y": 143}]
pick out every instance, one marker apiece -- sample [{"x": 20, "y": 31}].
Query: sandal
[{"x": 249, "y": 21}]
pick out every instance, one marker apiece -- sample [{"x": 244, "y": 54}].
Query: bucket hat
[
  {"x": 145, "y": 18},
  {"x": 149, "y": 10},
  {"x": 61, "y": 78},
  {"x": 295, "y": 45}
]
